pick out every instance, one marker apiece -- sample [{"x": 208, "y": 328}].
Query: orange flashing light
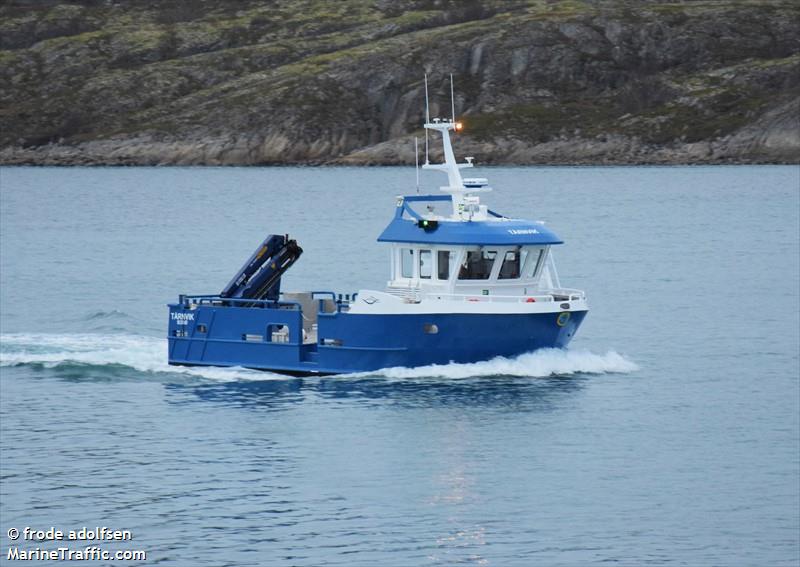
[{"x": 459, "y": 126}]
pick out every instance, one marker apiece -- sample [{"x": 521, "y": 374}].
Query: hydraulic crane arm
[{"x": 260, "y": 277}]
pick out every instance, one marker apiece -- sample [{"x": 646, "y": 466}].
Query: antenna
[
  {"x": 416, "y": 159},
  {"x": 427, "y": 118},
  {"x": 452, "y": 99}
]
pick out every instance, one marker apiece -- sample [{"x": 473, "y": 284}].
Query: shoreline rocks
[{"x": 617, "y": 82}]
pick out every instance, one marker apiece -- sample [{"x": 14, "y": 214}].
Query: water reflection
[
  {"x": 498, "y": 392},
  {"x": 269, "y": 394},
  {"x": 513, "y": 393},
  {"x": 493, "y": 392}
]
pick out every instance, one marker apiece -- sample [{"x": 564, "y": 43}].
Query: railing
[
  {"x": 191, "y": 301},
  {"x": 405, "y": 293},
  {"x": 571, "y": 294},
  {"x": 561, "y": 294},
  {"x": 473, "y": 298},
  {"x": 341, "y": 303}
]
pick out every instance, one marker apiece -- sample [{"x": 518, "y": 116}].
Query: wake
[
  {"x": 538, "y": 364},
  {"x": 141, "y": 353},
  {"x": 149, "y": 355}
]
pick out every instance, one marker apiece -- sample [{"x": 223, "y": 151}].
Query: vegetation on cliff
[{"x": 301, "y": 81}]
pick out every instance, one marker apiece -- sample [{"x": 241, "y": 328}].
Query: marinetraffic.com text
[{"x": 24, "y": 544}]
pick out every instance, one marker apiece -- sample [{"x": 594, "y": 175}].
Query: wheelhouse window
[
  {"x": 531, "y": 259},
  {"x": 407, "y": 262},
  {"x": 511, "y": 265},
  {"x": 477, "y": 265},
  {"x": 425, "y": 264},
  {"x": 444, "y": 259}
]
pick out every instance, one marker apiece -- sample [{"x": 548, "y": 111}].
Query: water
[{"x": 668, "y": 434}]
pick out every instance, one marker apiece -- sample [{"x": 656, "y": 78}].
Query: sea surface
[{"x": 667, "y": 434}]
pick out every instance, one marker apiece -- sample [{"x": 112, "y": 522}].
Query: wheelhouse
[
  {"x": 505, "y": 270},
  {"x": 473, "y": 251}
]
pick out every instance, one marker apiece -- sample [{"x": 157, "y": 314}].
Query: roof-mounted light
[{"x": 428, "y": 225}]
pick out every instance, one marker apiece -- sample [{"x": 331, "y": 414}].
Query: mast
[
  {"x": 416, "y": 160},
  {"x": 427, "y": 119},
  {"x": 452, "y": 101},
  {"x": 455, "y": 183}
]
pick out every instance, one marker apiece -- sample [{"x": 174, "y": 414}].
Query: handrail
[
  {"x": 568, "y": 291},
  {"x": 577, "y": 295},
  {"x": 498, "y": 298},
  {"x": 425, "y": 198},
  {"x": 405, "y": 208},
  {"x": 203, "y": 299},
  {"x": 316, "y": 293}
]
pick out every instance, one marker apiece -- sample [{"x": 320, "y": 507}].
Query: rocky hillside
[{"x": 302, "y": 81}]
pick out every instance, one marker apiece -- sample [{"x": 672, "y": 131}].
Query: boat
[{"x": 467, "y": 284}]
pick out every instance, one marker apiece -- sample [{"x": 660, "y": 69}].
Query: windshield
[{"x": 477, "y": 265}]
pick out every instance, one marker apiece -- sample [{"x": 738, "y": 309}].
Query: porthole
[{"x": 430, "y": 328}]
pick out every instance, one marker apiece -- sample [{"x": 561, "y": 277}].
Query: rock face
[{"x": 292, "y": 81}]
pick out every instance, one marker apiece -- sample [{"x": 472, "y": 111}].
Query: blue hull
[{"x": 241, "y": 336}]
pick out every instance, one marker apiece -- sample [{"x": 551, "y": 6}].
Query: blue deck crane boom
[{"x": 260, "y": 277}]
